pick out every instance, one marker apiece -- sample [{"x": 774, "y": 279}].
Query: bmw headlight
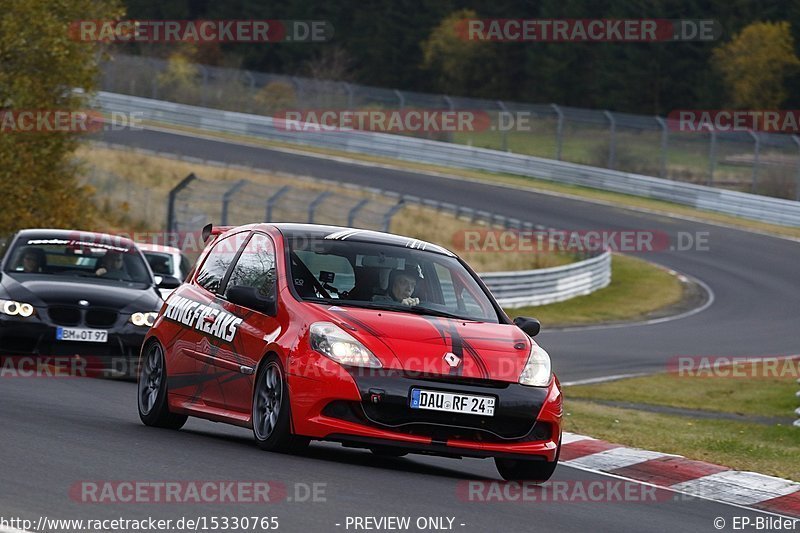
[
  {"x": 14, "y": 308},
  {"x": 335, "y": 343},
  {"x": 144, "y": 319},
  {"x": 537, "y": 371}
]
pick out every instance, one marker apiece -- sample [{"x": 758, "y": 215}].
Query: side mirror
[
  {"x": 167, "y": 282},
  {"x": 251, "y": 298},
  {"x": 531, "y": 326}
]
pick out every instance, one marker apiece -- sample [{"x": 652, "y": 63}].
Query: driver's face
[{"x": 403, "y": 286}]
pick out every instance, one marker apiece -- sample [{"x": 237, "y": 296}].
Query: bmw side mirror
[
  {"x": 531, "y": 326},
  {"x": 251, "y": 298},
  {"x": 167, "y": 282}
]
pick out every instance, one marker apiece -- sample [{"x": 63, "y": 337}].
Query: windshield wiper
[{"x": 435, "y": 312}]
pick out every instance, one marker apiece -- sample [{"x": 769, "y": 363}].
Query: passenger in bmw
[{"x": 112, "y": 265}]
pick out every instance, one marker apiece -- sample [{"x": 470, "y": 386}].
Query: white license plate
[
  {"x": 452, "y": 402},
  {"x": 81, "y": 335}
]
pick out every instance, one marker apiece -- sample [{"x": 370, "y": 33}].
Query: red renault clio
[{"x": 372, "y": 340}]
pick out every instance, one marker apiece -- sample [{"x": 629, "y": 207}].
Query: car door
[
  {"x": 255, "y": 267},
  {"x": 192, "y": 307}
]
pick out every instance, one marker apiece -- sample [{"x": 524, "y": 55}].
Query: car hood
[
  {"x": 45, "y": 291},
  {"x": 420, "y": 343}
]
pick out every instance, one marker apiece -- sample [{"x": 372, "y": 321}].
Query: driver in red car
[{"x": 402, "y": 284}]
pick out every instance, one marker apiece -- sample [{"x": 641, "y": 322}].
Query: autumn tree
[
  {"x": 755, "y": 64},
  {"x": 41, "y": 65},
  {"x": 458, "y": 63}
]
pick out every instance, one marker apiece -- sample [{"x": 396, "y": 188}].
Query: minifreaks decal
[{"x": 194, "y": 314}]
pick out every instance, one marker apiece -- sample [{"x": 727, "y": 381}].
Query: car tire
[
  {"x": 271, "y": 410},
  {"x": 522, "y": 470},
  {"x": 152, "y": 390}
]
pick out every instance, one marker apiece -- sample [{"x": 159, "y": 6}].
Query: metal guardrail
[
  {"x": 748, "y": 161},
  {"x": 766, "y": 209},
  {"x": 549, "y": 285},
  {"x": 797, "y": 411},
  {"x": 203, "y": 200}
]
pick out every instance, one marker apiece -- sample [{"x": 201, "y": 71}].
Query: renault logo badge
[{"x": 452, "y": 359}]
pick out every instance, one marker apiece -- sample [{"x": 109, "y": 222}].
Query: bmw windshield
[
  {"x": 101, "y": 259},
  {"x": 386, "y": 276}
]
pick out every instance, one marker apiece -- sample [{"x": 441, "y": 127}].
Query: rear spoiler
[{"x": 216, "y": 231}]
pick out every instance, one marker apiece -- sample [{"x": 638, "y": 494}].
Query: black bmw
[{"x": 89, "y": 297}]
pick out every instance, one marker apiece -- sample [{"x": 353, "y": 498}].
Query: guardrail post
[
  {"x": 314, "y": 203},
  {"x": 612, "y": 141},
  {"x": 503, "y": 132},
  {"x": 387, "y": 218},
  {"x": 559, "y": 130},
  {"x": 252, "y": 83},
  {"x": 451, "y": 108},
  {"x": 712, "y": 157},
  {"x": 173, "y": 195},
  {"x": 662, "y": 172},
  {"x": 796, "y": 140},
  {"x": 756, "y": 159},
  {"x": 349, "y": 91},
  {"x": 272, "y": 200},
  {"x": 226, "y": 200},
  {"x": 351, "y": 216},
  {"x": 797, "y": 411},
  {"x": 204, "y": 93}
]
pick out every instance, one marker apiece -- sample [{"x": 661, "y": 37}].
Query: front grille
[
  {"x": 65, "y": 316},
  {"x": 101, "y": 318},
  {"x": 438, "y": 426}
]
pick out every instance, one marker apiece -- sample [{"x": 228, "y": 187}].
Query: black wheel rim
[
  {"x": 268, "y": 402},
  {"x": 150, "y": 379}
]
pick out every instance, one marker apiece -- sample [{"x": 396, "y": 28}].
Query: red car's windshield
[{"x": 387, "y": 276}]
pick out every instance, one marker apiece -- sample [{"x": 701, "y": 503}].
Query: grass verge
[
  {"x": 768, "y": 449},
  {"x": 637, "y": 290}
]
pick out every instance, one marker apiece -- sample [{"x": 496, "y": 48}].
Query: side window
[
  {"x": 217, "y": 262},
  {"x": 185, "y": 267},
  {"x": 446, "y": 284},
  {"x": 256, "y": 266}
]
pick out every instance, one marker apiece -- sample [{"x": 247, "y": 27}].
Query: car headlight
[
  {"x": 14, "y": 308},
  {"x": 537, "y": 371},
  {"x": 144, "y": 319},
  {"x": 335, "y": 343}
]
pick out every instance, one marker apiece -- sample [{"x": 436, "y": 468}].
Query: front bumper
[
  {"x": 36, "y": 337},
  {"x": 369, "y": 408}
]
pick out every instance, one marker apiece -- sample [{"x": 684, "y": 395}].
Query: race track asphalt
[{"x": 57, "y": 433}]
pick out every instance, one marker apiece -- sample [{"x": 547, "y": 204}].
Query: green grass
[
  {"x": 534, "y": 184},
  {"x": 769, "y": 449},
  {"x": 637, "y": 288},
  {"x": 749, "y": 394}
]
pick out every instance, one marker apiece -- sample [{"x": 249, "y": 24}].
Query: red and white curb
[{"x": 696, "y": 478}]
